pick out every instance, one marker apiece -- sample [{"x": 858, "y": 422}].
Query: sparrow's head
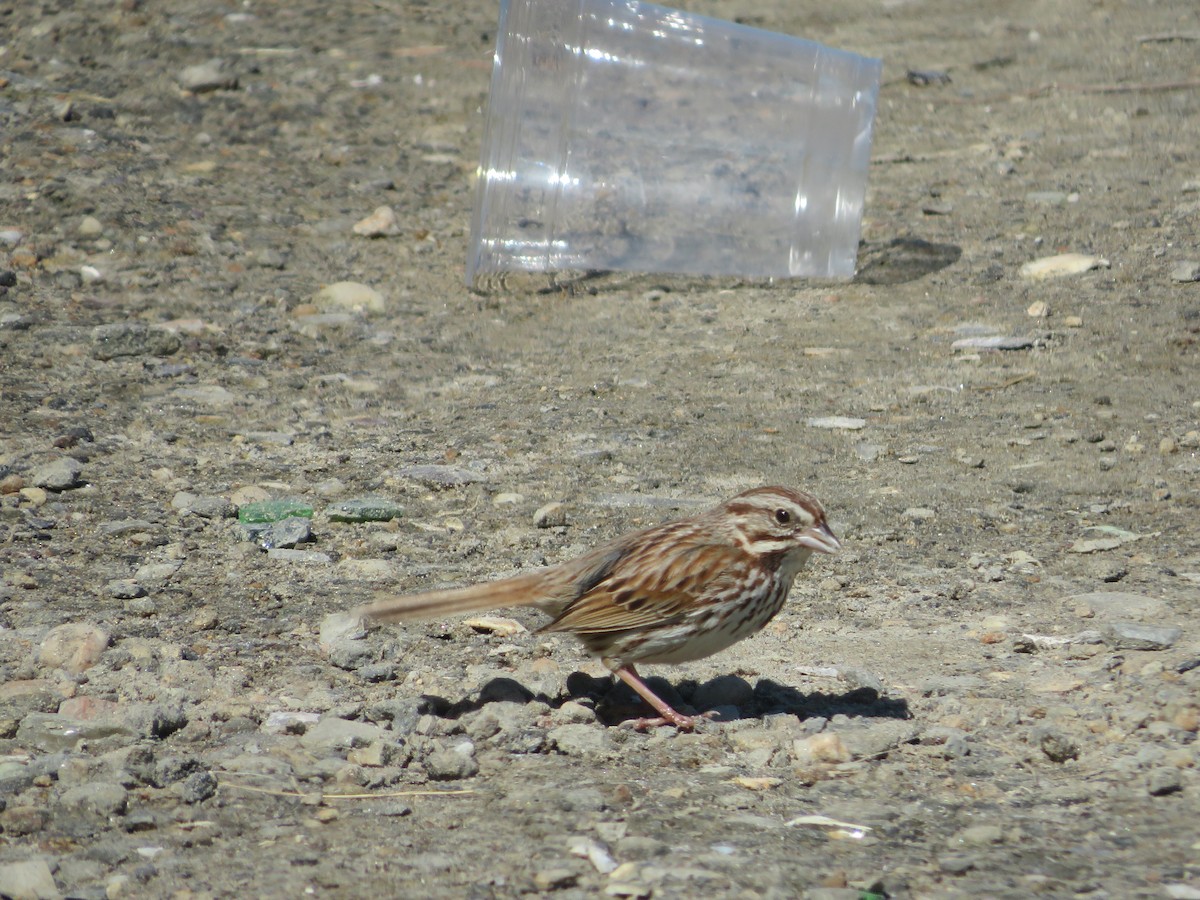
[{"x": 779, "y": 520}]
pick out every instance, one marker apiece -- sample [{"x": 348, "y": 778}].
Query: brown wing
[{"x": 643, "y": 588}]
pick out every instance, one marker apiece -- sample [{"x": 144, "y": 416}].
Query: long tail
[{"x": 523, "y": 590}]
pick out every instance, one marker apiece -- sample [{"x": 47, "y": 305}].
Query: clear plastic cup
[{"x": 626, "y": 136}]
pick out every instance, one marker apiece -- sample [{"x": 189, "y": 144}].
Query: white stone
[
  {"x": 1062, "y": 264},
  {"x": 381, "y": 223},
  {"x": 845, "y": 423},
  {"x": 349, "y": 296}
]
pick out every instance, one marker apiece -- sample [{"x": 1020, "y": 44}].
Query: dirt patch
[{"x": 991, "y": 691}]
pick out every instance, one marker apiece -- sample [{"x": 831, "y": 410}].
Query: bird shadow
[
  {"x": 734, "y": 698},
  {"x": 859, "y": 702},
  {"x": 730, "y": 696}
]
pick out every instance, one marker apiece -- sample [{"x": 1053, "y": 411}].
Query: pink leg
[{"x": 666, "y": 715}]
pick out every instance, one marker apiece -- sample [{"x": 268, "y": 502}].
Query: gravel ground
[{"x": 991, "y": 692}]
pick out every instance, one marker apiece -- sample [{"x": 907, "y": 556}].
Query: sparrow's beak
[{"x": 820, "y": 539}]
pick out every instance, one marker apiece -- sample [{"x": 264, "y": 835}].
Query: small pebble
[
  {"x": 1185, "y": 272},
  {"x": 451, "y": 764},
  {"x": 632, "y": 889},
  {"x": 844, "y": 423},
  {"x": 996, "y": 342},
  {"x": 349, "y": 296},
  {"x": 269, "y": 438},
  {"x": 89, "y": 227},
  {"x": 1047, "y": 198},
  {"x": 546, "y": 880},
  {"x": 74, "y": 646},
  {"x": 286, "y": 534},
  {"x": 552, "y": 515},
  {"x": 350, "y": 655},
  {"x": 141, "y": 606},
  {"x": 207, "y": 76},
  {"x": 497, "y": 625},
  {"x": 198, "y": 787},
  {"x": 1136, "y": 636},
  {"x": 152, "y": 720},
  {"x": 857, "y": 679},
  {"x": 157, "y": 572},
  {"x": 1057, "y": 746},
  {"x": 962, "y": 457},
  {"x": 28, "y": 879},
  {"x": 594, "y": 852},
  {"x": 820, "y": 748},
  {"x": 375, "y": 755},
  {"x": 125, "y": 589},
  {"x": 927, "y": 77},
  {"x": 381, "y": 223},
  {"x": 132, "y": 339},
  {"x": 62, "y": 474},
  {"x": 869, "y": 452},
  {"x": 1163, "y": 781},
  {"x": 1096, "y": 545},
  {"x": 1063, "y": 264}
]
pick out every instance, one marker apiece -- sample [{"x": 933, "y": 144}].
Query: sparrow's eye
[{"x": 782, "y": 516}]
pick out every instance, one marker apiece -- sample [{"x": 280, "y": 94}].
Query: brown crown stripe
[{"x": 742, "y": 508}]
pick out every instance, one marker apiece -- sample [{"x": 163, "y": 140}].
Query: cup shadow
[{"x": 903, "y": 259}]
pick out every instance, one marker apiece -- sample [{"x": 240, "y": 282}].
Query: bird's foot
[
  {"x": 666, "y": 715},
  {"x": 678, "y": 719}
]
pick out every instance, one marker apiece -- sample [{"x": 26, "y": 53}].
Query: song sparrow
[{"x": 668, "y": 594}]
